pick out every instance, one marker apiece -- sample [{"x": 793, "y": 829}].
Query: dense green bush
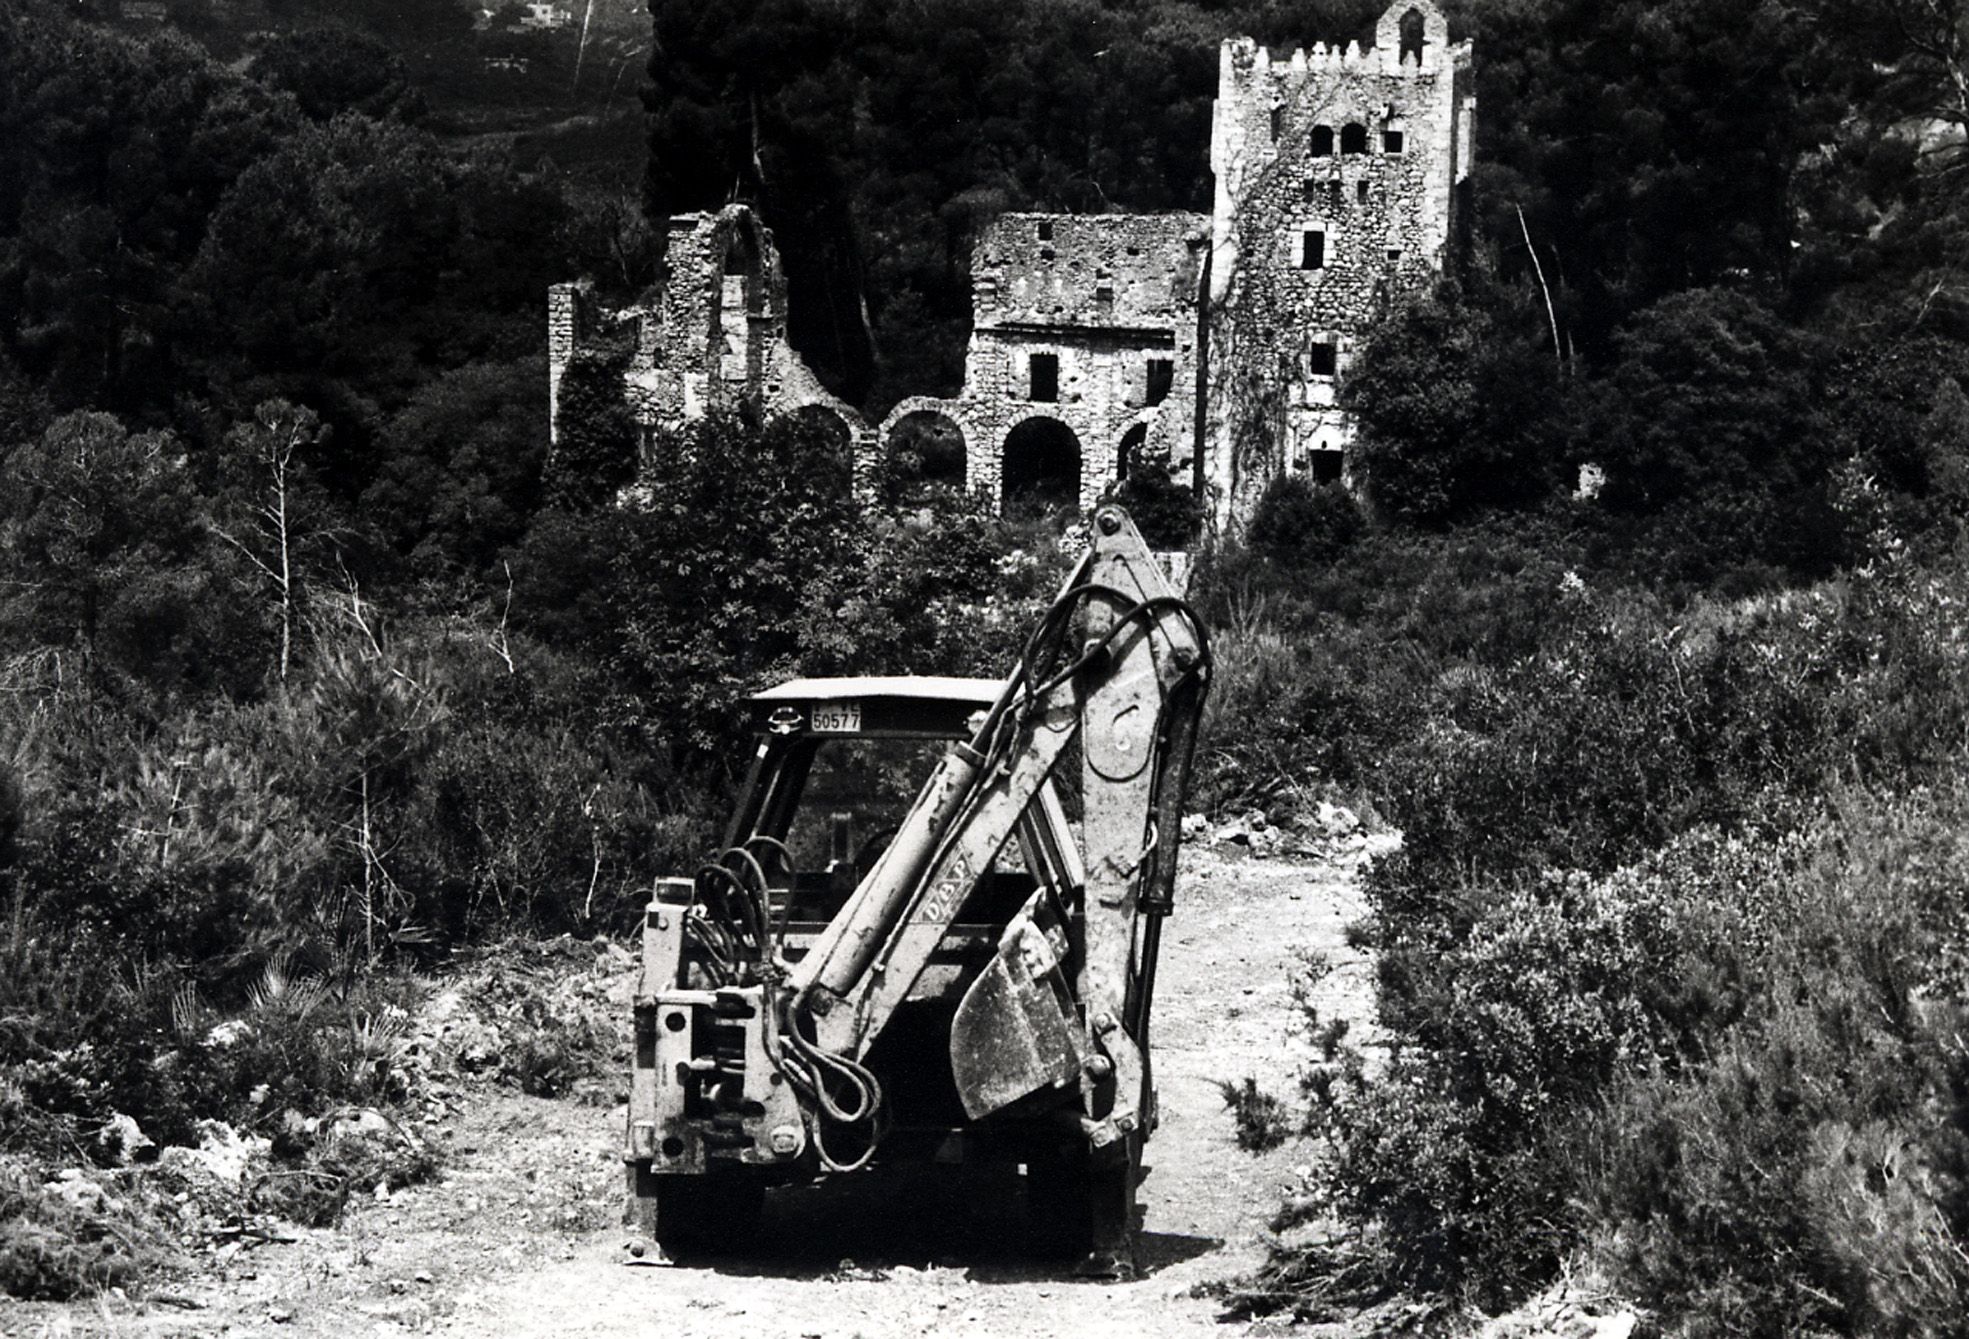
[
  {"x": 1299, "y": 525},
  {"x": 1668, "y": 961},
  {"x": 1456, "y": 409}
]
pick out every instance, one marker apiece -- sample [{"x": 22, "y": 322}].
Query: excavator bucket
[{"x": 1015, "y": 1032}]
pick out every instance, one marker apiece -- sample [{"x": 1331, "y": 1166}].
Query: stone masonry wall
[
  {"x": 712, "y": 335},
  {"x": 1106, "y": 295},
  {"x": 1355, "y": 157}
]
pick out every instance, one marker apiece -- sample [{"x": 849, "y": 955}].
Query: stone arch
[
  {"x": 1320, "y": 143},
  {"x": 838, "y": 430},
  {"x": 827, "y": 420},
  {"x": 925, "y": 448},
  {"x": 1040, "y": 467},
  {"x": 1353, "y": 138},
  {"x": 1412, "y": 36},
  {"x": 1129, "y": 449}
]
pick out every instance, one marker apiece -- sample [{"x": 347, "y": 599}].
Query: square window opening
[
  {"x": 1327, "y": 466},
  {"x": 1312, "y": 250},
  {"x": 1045, "y": 230},
  {"x": 1322, "y": 359},
  {"x": 1162, "y": 379},
  {"x": 1044, "y": 384},
  {"x": 1360, "y": 191},
  {"x": 1391, "y": 141}
]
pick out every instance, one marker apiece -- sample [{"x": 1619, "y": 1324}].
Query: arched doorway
[
  {"x": 925, "y": 451},
  {"x": 1041, "y": 469},
  {"x": 1130, "y": 451},
  {"x": 830, "y": 447}
]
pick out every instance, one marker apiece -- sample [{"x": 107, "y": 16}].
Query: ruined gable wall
[{"x": 711, "y": 336}]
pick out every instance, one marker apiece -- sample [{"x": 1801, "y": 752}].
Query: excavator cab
[
  {"x": 932, "y": 930},
  {"x": 836, "y": 766}
]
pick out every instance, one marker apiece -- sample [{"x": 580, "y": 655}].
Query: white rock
[
  {"x": 229, "y": 1033},
  {"x": 123, "y": 1138}
]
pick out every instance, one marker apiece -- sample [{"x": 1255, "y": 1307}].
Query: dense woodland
[{"x": 317, "y": 667}]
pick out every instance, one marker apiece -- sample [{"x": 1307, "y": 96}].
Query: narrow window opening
[
  {"x": 1046, "y": 230},
  {"x": 1360, "y": 191},
  {"x": 1353, "y": 138},
  {"x": 1312, "y": 250},
  {"x": 1278, "y": 123},
  {"x": 1394, "y": 254},
  {"x": 1333, "y": 189},
  {"x": 1321, "y": 359},
  {"x": 1321, "y": 144},
  {"x": 1045, "y": 381},
  {"x": 1162, "y": 378}
]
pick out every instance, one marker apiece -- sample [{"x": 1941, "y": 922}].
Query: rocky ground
[{"x": 519, "y": 1233}]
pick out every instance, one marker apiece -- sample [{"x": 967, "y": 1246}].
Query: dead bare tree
[{"x": 266, "y": 529}]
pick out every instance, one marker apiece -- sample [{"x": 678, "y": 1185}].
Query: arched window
[
  {"x": 1130, "y": 449},
  {"x": 741, "y": 296},
  {"x": 1321, "y": 144},
  {"x": 1412, "y": 27},
  {"x": 1353, "y": 138}
]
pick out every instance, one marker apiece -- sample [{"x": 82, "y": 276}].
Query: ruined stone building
[
  {"x": 710, "y": 337},
  {"x": 1214, "y": 343},
  {"x": 1340, "y": 175},
  {"x": 1083, "y": 354}
]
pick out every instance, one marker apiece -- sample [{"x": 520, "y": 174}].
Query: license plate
[{"x": 837, "y": 718}]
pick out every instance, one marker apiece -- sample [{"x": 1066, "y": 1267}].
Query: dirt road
[{"x": 520, "y": 1237}]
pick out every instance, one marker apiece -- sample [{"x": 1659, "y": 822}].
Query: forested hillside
[{"x": 316, "y": 667}]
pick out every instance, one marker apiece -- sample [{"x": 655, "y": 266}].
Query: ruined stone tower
[{"x": 1340, "y": 176}]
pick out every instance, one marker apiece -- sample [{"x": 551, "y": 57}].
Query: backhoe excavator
[{"x": 974, "y": 983}]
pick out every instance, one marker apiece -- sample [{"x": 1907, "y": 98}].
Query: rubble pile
[
  {"x": 1329, "y": 832},
  {"x": 549, "y": 1018}
]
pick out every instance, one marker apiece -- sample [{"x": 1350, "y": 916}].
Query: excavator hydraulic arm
[{"x": 1130, "y": 693}]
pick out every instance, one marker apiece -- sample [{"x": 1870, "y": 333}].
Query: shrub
[
  {"x": 1164, "y": 508},
  {"x": 1455, "y": 403},
  {"x": 69, "y": 1238},
  {"x": 1298, "y": 524},
  {"x": 1263, "y": 1121},
  {"x": 1661, "y": 985}
]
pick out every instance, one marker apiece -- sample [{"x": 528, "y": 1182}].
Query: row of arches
[
  {"x": 1039, "y": 467},
  {"x": 1040, "y": 463},
  {"x": 1352, "y": 140}
]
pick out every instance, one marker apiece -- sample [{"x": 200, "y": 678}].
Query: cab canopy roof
[{"x": 890, "y": 706}]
